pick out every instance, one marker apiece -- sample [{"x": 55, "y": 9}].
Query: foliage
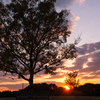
[
  {"x": 5, "y": 94},
  {"x": 33, "y": 38},
  {"x": 87, "y": 89},
  {"x": 71, "y": 80}
]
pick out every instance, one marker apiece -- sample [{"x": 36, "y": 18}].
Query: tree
[
  {"x": 71, "y": 80},
  {"x": 33, "y": 38}
]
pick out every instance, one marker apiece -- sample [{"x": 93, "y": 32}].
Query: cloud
[
  {"x": 71, "y": 25},
  {"x": 59, "y": 3},
  {"x": 66, "y": 3},
  {"x": 87, "y": 63},
  {"x": 4, "y": 89},
  {"x": 54, "y": 82},
  {"x": 85, "y": 52},
  {"x": 80, "y": 1},
  {"x": 13, "y": 87},
  {"x": 89, "y": 54},
  {"x": 88, "y": 48},
  {"x": 90, "y": 77},
  {"x": 71, "y": 15},
  {"x": 6, "y": 1},
  {"x": 77, "y": 18},
  {"x": 62, "y": 4}
]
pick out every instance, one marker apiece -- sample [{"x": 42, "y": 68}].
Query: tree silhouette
[
  {"x": 33, "y": 38},
  {"x": 71, "y": 80}
]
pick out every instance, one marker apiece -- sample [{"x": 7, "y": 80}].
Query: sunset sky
[{"x": 85, "y": 22}]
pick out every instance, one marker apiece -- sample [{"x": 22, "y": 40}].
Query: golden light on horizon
[
  {"x": 4, "y": 89},
  {"x": 66, "y": 87}
]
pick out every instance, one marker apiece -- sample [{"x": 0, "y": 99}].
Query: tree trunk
[{"x": 31, "y": 79}]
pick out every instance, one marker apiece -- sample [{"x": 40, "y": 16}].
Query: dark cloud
[
  {"x": 85, "y": 52},
  {"x": 54, "y": 82},
  {"x": 95, "y": 64},
  {"x": 6, "y": 1},
  {"x": 23, "y": 85},
  {"x": 15, "y": 86},
  {"x": 8, "y": 78},
  {"x": 66, "y": 3},
  {"x": 59, "y": 3},
  {"x": 88, "y": 48},
  {"x": 78, "y": 64},
  {"x": 56, "y": 76},
  {"x": 88, "y": 51},
  {"x": 90, "y": 77}
]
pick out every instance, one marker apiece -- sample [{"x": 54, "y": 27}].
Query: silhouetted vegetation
[
  {"x": 9, "y": 94},
  {"x": 33, "y": 38},
  {"x": 87, "y": 89},
  {"x": 71, "y": 80}
]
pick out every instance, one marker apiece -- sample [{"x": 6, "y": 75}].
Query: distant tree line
[
  {"x": 87, "y": 89},
  {"x": 7, "y": 94}
]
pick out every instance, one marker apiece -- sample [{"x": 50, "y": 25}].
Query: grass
[
  {"x": 7, "y": 99},
  {"x": 74, "y": 98},
  {"x": 65, "y": 98}
]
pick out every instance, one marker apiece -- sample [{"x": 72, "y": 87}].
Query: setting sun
[{"x": 66, "y": 87}]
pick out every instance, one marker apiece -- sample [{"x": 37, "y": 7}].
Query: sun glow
[{"x": 66, "y": 87}]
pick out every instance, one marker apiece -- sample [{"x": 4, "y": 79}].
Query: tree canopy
[
  {"x": 71, "y": 79},
  {"x": 33, "y": 38}
]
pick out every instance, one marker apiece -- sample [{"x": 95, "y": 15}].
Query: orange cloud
[
  {"x": 71, "y": 25},
  {"x": 85, "y": 65},
  {"x": 77, "y": 18},
  {"x": 4, "y": 89},
  {"x": 80, "y": 1},
  {"x": 90, "y": 72}
]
